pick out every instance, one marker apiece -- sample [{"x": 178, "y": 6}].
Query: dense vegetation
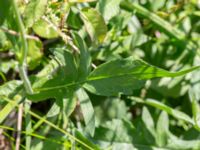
[{"x": 106, "y": 74}]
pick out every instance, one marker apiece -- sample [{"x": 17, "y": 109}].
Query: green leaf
[
  {"x": 115, "y": 131},
  {"x": 33, "y": 11},
  {"x": 124, "y": 76},
  {"x": 95, "y": 24},
  {"x": 108, "y": 8},
  {"x": 10, "y": 88},
  {"x": 162, "y": 129},
  {"x": 8, "y": 107},
  {"x": 195, "y": 109},
  {"x": 64, "y": 73},
  {"x": 121, "y": 134},
  {"x": 5, "y": 7},
  {"x": 148, "y": 120},
  {"x": 69, "y": 103},
  {"x": 4, "y": 43},
  {"x": 154, "y": 103},
  {"x": 175, "y": 113},
  {"x": 86, "y": 141},
  {"x": 54, "y": 110},
  {"x": 117, "y": 76},
  {"x": 34, "y": 53},
  {"x": 85, "y": 59},
  {"x": 45, "y": 30},
  {"x": 9, "y": 91},
  {"x": 73, "y": 20},
  {"x": 87, "y": 110},
  {"x": 176, "y": 143},
  {"x": 149, "y": 127}
]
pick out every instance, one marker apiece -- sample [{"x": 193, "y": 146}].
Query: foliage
[{"x": 106, "y": 74}]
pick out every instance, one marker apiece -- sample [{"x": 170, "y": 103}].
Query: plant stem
[
  {"x": 12, "y": 32},
  {"x": 22, "y": 59},
  {"x": 23, "y": 72},
  {"x": 19, "y": 126}
]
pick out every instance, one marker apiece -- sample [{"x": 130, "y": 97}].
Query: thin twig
[
  {"x": 19, "y": 126},
  {"x": 12, "y": 32}
]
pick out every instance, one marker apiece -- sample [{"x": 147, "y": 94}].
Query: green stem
[
  {"x": 24, "y": 51},
  {"x": 22, "y": 70}
]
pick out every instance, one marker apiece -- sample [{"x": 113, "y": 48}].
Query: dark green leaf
[
  {"x": 5, "y": 6},
  {"x": 124, "y": 76},
  {"x": 85, "y": 59},
  {"x": 64, "y": 73}
]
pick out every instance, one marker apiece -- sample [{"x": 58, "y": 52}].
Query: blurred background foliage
[{"x": 163, "y": 114}]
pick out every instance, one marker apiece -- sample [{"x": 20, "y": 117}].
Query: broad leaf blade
[{"x": 124, "y": 76}]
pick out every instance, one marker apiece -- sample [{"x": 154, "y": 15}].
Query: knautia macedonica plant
[{"x": 99, "y": 74}]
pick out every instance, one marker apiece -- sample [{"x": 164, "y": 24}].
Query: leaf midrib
[{"x": 90, "y": 79}]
